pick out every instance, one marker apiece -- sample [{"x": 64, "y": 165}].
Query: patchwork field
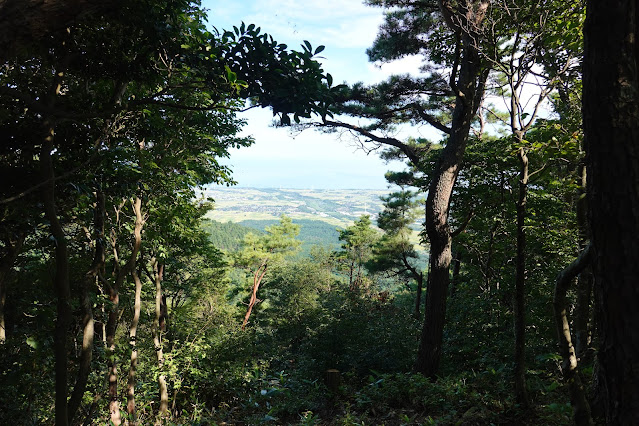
[
  {"x": 336, "y": 207},
  {"x": 319, "y": 212}
]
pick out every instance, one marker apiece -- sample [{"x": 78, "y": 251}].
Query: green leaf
[
  {"x": 230, "y": 75},
  {"x": 32, "y": 342},
  {"x": 319, "y": 49},
  {"x": 308, "y": 45}
]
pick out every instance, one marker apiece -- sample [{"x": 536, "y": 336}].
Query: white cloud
[
  {"x": 347, "y": 28},
  {"x": 337, "y": 23}
]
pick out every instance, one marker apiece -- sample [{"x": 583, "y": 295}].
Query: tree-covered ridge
[{"x": 226, "y": 236}]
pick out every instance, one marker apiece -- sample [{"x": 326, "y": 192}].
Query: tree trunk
[
  {"x": 469, "y": 89},
  {"x": 88, "y": 330},
  {"x": 611, "y": 129},
  {"x": 584, "y": 282},
  {"x": 580, "y": 406},
  {"x": 257, "y": 279},
  {"x": 114, "y": 314},
  {"x": 418, "y": 297},
  {"x": 519, "y": 304},
  {"x": 456, "y": 268},
  {"x": 158, "y": 272},
  {"x": 12, "y": 245},
  {"x": 111, "y": 328},
  {"x": 61, "y": 280},
  {"x": 137, "y": 304}
]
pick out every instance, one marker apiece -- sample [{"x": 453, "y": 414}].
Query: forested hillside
[
  {"x": 226, "y": 236},
  {"x": 124, "y": 299}
]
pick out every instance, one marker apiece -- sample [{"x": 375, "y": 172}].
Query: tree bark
[
  {"x": 13, "y": 245},
  {"x": 133, "y": 329},
  {"x": 611, "y": 129},
  {"x": 158, "y": 273},
  {"x": 88, "y": 330},
  {"x": 580, "y": 406},
  {"x": 257, "y": 280},
  {"x": 521, "y": 393},
  {"x": 584, "y": 282},
  {"x": 418, "y": 296},
  {"x": 469, "y": 89},
  {"x": 114, "y": 313},
  {"x": 61, "y": 280},
  {"x": 457, "y": 260}
]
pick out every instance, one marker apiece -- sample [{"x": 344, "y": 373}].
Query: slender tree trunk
[
  {"x": 418, "y": 297},
  {"x": 88, "y": 330},
  {"x": 111, "y": 328},
  {"x": 12, "y": 247},
  {"x": 611, "y": 129},
  {"x": 469, "y": 89},
  {"x": 585, "y": 281},
  {"x": 61, "y": 280},
  {"x": 456, "y": 268},
  {"x": 580, "y": 406},
  {"x": 137, "y": 304},
  {"x": 519, "y": 304},
  {"x": 158, "y": 272},
  {"x": 114, "y": 314},
  {"x": 257, "y": 280}
]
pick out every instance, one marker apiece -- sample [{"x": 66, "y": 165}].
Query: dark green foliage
[
  {"x": 312, "y": 232},
  {"x": 147, "y": 110},
  {"x": 227, "y": 236}
]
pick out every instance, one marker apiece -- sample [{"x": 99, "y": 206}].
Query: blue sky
[{"x": 311, "y": 159}]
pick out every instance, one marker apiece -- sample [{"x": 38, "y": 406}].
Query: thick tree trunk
[
  {"x": 158, "y": 273},
  {"x": 521, "y": 393},
  {"x": 611, "y": 128},
  {"x": 580, "y": 406},
  {"x": 88, "y": 330},
  {"x": 13, "y": 245},
  {"x": 133, "y": 329},
  {"x": 469, "y": 90}
]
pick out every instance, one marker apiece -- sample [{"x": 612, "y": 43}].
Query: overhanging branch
[{"x": 406, "y": 149}]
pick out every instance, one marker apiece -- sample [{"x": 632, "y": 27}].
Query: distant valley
[
  {"x": 337, "y": 207},
  {"x": 319, "y": 212}
]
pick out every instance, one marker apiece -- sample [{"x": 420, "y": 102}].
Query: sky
[{"x": 311, "y": 159}]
